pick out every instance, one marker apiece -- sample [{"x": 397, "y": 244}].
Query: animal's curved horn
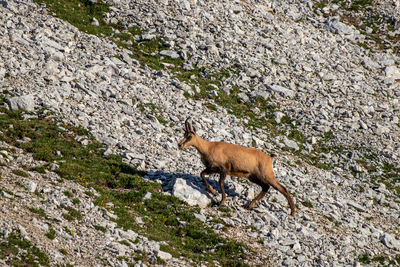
[{"x": 188, "y": 125}]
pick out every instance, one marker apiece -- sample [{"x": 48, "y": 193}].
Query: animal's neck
[{"x": 201, "y": 145}]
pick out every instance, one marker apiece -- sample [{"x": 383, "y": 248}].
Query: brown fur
[{"x": 235, "y": 160}]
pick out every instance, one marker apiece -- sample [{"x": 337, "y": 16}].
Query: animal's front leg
[
  {"x": 222, "y": 177},
  {"x": 208, "y": 186},
  {"x": 257, "y": 199}
]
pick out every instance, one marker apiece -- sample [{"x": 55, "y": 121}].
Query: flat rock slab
[
  {"x": 25, "y": 102},
  {"x": 187, "y": 193}
]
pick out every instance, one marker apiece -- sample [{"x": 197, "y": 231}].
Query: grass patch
[
  {"x": 17, "y": 251},
  {"x": 63, "y": 251},
  {"x": 39, "y": 169},
  {"x": 80, "y": 14},
  {"x": 382, "y": 260},
  {"x": 72, "y": 214},
  {"x": 153, "y": 110},
  {"x": 51, "y": 234},
  {"x": 68, "y": 194},
  {"x": 362, "y": 14},
  {"x": 89, "y": 194},
  {"x": 307, "y": 203},
  {"x": 100, "y": 228},
  {"x": 39, "y": 212},
  {"x": 125, "y": 243},
  {"x": 20, "y": 173},
  {"x": 165, "y": 217}
]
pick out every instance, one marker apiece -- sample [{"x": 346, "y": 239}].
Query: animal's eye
[{"x": 189, "y": 138}]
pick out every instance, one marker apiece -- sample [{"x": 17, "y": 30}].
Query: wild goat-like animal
[{"x": 234, "y": 160}]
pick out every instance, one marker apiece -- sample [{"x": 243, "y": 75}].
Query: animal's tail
[{"x": 273, "y": 157}]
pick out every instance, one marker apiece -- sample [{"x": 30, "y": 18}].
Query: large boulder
[
  {"x": 25, "y": 102},
  {"x": 189, "y": 194}
]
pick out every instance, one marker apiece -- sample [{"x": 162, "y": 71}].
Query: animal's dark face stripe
[{"x": 187, "y": 137}]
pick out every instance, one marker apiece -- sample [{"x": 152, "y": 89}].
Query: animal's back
[{"x": 239, "y": 160}]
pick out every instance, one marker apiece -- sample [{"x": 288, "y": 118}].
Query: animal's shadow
[{"x": 169, "y": 179}]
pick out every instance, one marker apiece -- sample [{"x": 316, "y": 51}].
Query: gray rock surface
[
  {"x": 192, "y": 196},
  {"x": 25, "y": 102},
  {"x": 306, "y": 63}
]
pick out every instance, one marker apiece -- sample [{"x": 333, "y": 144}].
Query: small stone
[
  {"x": 5, "y": 194},
  {"x": 31, "y": 186},
  {"x": 389, "y": 241},
  {"x": 278, "y": 116},
  {"x": 228, "y": 221},
  {"x": 218, "y": 226},
  {"x": 23, "y": 232},
  {"x": 338, "y": 27},
  {"x": 95, "y": 22},
  {"x": 291, "y": 144},
  {"x": 392, "y": 72},
  {"x": 146, "y": 196},
  {"x": 201, "y": 217},
  {"x": 169, "y": 53},
  {"x": 139, "y": 220},
  {"x": 355, "y": 205},
  {"x": 164, "y": 255},
  {"x": 54, "y": 166},
  {"x": 282, "y": 90}
]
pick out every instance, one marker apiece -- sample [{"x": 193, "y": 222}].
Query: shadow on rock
[{"x": 188, "y": 188}]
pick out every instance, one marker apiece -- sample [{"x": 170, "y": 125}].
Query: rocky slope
[
  {"x": 61, "y": 219},
  {"x": 325, "y": 78}
]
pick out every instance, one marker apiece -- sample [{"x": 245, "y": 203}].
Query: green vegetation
[
  {"x": 63, "y": 251},
  {"x": 124, "y": 242},
  {"x": 257, "y": 113},
  {"x": 39, "y": 169},
  {"x": 153, "y": 110},
  {"x": 390, "y": 176},
  {"x": 100, "y": 228},
  {"x": 383, "y": 260},
  {"x": 40, "y": 212},
  {"x": 165, "y": 217},
  {"x": 307, "y": 203},
  {"x": 68, "y": 194},
  {"x": 72, "y": 214},
  {"x": 361, "y": 14},
  {"x": 80, "y": 14},
  {"x": 20, "y": 252},
  {"x": 51, "y": 234},
  {"x": 20, "y": 173}
]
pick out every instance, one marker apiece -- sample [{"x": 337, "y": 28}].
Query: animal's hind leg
[
  {"x": 285, "y": 192},
  {"x": 208, "y": 186},
  {"x": 264, "y": 190},
  {"x": 221, "y": 185}
]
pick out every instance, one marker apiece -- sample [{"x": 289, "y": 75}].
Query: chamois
[{"x": 234, "y": 160}]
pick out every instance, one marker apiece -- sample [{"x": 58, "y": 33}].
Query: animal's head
[{"x": 189, "y": 137}]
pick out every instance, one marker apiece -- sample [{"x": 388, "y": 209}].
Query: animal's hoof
[
  {"x": 249, "y": 205},
  {"x": 222, "y": 204}
]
